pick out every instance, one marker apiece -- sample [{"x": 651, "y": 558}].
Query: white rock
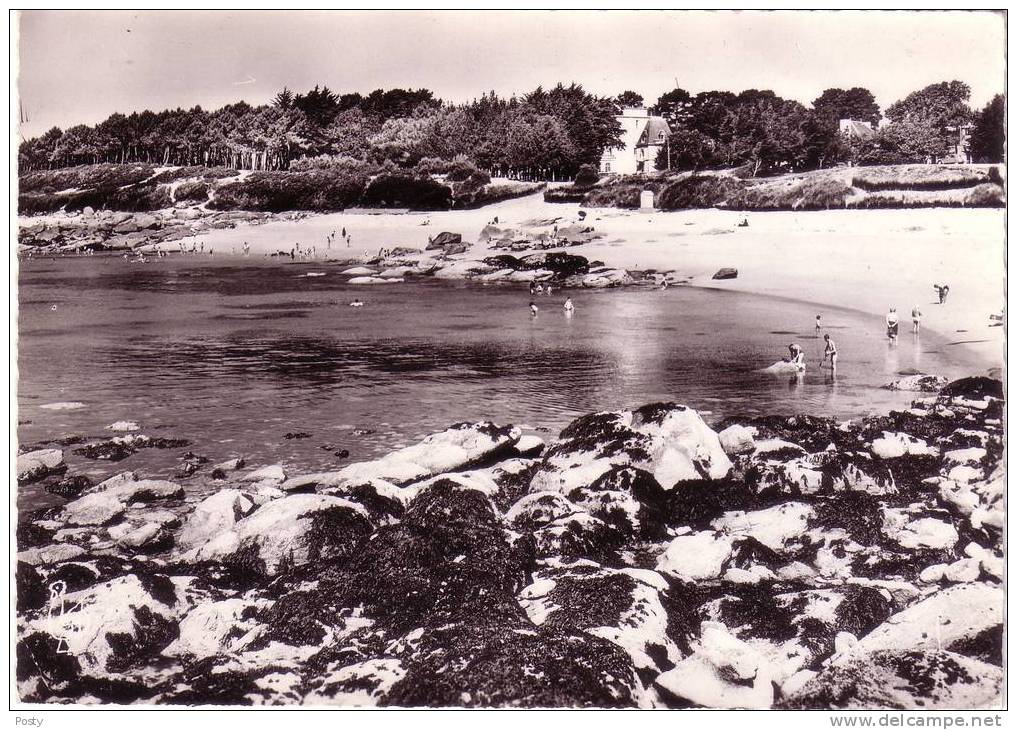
[
  {"x": 962, "y": 473},
  {"x": 278, "y": 531},
  {"x": 123, "y": 426},
  {"x": 924, "y": 532},
  {"x": 362, "y": 684},
  {"x": 904, "y": 680},
  {"x": 894, "y": 445},
  {"x": 372, "y": 280},
  {"x": 700, "y": 556},
  {"x": 230, "y": 464},
  {"x": 93, "y": 509},
  {"x": 50, "y": 554},
  {"x": 529, "y": 446},
  {"x": 723, "y": 672},
  {"x": 774, "y": 527},
  {"x": 953, "y": 614},
  {"x": 37, "y": 464},
  {"x": 540, "y": 508},
  {"x": 965, "y": 570},
  {"x": 274, "y": 474},
  {"x": 965, "y": 456},
  {"x": 737, "y": 439},
  {"x": 359, "y": 271},
  {"x": 99, "y": 612},
  {"x": 63, "y": 406},
  {"x": 844, "y": 641},
  {"x": 446, "y": 451},
  {"x": 217, "y": 628}
]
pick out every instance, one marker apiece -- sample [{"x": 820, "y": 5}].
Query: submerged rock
[{"x": 921, "y": 383}]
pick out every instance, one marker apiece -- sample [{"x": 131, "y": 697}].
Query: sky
[{"x": 81, "y": 66}]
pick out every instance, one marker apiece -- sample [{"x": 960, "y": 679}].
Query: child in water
[
  {"x": 568, "y": 306},
  {"x": 819, "y": 324},
  {"x": 916, "y": 319},
  {"x": 533, "y": 309}
]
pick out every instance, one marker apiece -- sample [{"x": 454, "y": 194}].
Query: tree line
[
  {"x": 545, "y": 134},
  {"x": 772, "y": 134}
]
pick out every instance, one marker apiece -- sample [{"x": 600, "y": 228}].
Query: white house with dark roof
[{"x": 642, "y": 138}]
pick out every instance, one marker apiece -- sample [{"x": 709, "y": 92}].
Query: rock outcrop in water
[{"x": 642, "y": 560}]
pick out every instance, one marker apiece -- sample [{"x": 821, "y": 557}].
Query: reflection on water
[{"x": 234, "y": 357}]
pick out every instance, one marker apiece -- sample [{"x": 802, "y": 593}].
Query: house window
[{"x": 607, "y": 167}]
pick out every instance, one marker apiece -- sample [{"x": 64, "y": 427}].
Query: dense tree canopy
[
  {"x": 856, "y": 103},
  {"x": 988, "y": 138},
  {"x": 545, "y": 134}
]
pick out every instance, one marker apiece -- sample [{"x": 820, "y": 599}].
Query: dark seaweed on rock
[{"x": 482, "y": 664}]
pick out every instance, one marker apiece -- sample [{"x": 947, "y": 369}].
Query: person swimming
[
  {"x": 356, "y": 303},
  {"x": 830, "y": 351},
  {"x": 534, "y": 309}
]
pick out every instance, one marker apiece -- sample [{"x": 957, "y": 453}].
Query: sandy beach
[{"x": 882, "y": 258}]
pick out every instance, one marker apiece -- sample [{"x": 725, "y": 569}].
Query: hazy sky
[{"x": 79, "y": 67}]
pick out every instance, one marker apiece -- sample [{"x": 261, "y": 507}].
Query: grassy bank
[
  {"x": 895, "y": 186},
  {"x": 142, "y": 187}
]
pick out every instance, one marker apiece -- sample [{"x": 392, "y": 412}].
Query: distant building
[
  {"x": 854, "y": 129},
  {"x": 643, "y": 136}
]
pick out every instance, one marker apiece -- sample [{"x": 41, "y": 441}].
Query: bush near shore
[
  {"x": 317, "y": 184},
  {"x": 897, "y": 186}
]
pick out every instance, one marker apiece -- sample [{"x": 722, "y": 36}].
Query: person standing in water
[
  {"x": 533, "y": 309},
  {"x": 568, "y": 306},
  {"x": 942, "y": 291},
  {"x": 892, "y": 323},
  {"x": 819, "y": 324},
  {"x": 916, "y": 319},
  {"x": 830, "y": 351}
]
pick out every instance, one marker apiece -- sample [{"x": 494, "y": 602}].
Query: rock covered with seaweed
[{"x": 644, "y": 559}]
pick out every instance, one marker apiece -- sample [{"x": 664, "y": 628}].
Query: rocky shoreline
[
  {"x": 642, "y": 559},
  {"x": 528, "y": 252}
]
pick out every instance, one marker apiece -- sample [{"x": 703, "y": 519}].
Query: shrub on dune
[
  {"x": 320, "y": 190},
  {"x": 698, "y": 191}
]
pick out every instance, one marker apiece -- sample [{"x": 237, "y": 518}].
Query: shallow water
[{"x": 234, "y": 354}]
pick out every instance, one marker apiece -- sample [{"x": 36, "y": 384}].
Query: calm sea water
[{"x": 235, "y": 354}]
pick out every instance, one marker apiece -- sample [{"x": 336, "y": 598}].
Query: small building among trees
[{"x": 643, "y": 136}]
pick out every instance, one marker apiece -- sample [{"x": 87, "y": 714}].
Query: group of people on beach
[
  {"x": 796, "y": 357},
  {"x": 330, "y": 238}
]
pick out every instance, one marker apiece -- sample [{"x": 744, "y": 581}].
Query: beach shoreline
[{"x": 883, "y": 258}]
